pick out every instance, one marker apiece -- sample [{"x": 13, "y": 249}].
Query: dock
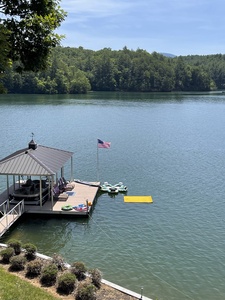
[
  {"x": 81, "y": 198},
  {"x": 44, "y": 190},
  {"x": 79, "y": 201},
  {"x": 82, "y": 195}
]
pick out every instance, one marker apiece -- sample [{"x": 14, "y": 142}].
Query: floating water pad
[{"x": 138, "y": 199}]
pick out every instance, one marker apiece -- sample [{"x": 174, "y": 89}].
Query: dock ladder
[{"x": 9, "y": 216}]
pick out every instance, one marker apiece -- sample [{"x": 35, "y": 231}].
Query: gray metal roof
[{"x": 42, "y": 161}]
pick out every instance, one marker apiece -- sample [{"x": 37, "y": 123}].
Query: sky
[{"x": 179, "y": 27}]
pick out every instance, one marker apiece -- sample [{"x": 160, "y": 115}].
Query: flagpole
[
  {"x": 101, "y": 144},
  {"x": 97, "y": 163}
]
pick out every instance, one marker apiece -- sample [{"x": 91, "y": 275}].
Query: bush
[
  {"x": 30, "y": 251},
  {"x": 16, "y": 245},
  {"x": 6, "y": 254},
  {"x": 79, "y": 270},
  {"x": 17, "y": 263},
  {"x": 96, "y": 277},
  {"x": 86, "y": 291},
  {"x": 49, "y": 274},
  {"x": 66, "y": 283},
  {"x": 58, "y": 261},
  {"x": 34, "y": 268}
]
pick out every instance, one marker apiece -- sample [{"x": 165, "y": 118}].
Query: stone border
[
  {"x": 106, "y": 282},
  {"x": 123, "y": 290}
]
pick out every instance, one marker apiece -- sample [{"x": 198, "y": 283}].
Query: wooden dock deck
[{"x": 81, "y": 194}]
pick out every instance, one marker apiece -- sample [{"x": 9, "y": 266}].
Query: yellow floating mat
[{"x": 138, "y": 199}]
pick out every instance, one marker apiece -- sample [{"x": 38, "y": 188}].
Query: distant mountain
[{"x": 168, "y": 55}]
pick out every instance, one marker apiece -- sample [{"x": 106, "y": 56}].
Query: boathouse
[
  {"x": 44, "y": 163},
  {"x": 43, "y": 167}
]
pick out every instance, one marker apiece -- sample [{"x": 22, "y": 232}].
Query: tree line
[{"x": 79, "y": 70}]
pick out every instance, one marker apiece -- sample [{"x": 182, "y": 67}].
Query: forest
[{"x": 79, "y": 70}]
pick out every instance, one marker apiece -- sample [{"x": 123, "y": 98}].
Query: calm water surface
[{"x": 170, "y": 146}]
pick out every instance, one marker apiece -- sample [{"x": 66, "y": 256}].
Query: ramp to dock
[{"x": 9, "y": 216}]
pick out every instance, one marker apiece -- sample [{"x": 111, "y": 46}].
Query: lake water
[{"x": 169, "y": 146}]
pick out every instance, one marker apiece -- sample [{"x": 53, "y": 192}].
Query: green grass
[{"x": 12, "y": 287}]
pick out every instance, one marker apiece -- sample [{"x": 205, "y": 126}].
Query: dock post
[
  {"x": 71, "y": 169},
  {"x": 87, "y": 205}
]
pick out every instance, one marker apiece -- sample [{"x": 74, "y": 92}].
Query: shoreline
[{"x": 105, "y": 282}]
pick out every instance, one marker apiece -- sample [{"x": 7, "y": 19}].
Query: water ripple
[{"x": 172, "y": 148}]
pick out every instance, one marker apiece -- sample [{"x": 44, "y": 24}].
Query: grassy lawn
[{"x": 12, "y": 287}]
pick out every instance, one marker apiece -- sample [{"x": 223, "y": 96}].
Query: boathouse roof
[{"x": 36, "y": 160}]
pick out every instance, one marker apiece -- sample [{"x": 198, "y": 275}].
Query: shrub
[
  {"x": 30, "y": 251},
  {"x": 34, "y": 268},
  {"x": 16, "y": 245},
  {"x": 49, "y": 274},
  {"x": 86, "y": 291},
  {"x": 66, "y": 283},
  {"x": 17, "y": 263},
  {"x": 7, "y": 254},
  {"x": 79, "y": 270},
  {"x": 58, "y": 261},
  {"x": 96, "y": 277}
]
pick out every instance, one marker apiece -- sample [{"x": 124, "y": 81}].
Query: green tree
[
  {"x": 124, "y": 63},
  {"x": 4, "y": 46},
  {"x": 30, "y": 25},
  {"x": 200, "y": 79},
  {"x": 104, "y": 71},
  {"x": 180, "y": 74},
  {"x": 79, "y": 83}
]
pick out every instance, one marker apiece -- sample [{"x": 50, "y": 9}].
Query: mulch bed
[{"x": 104, "y": 293}]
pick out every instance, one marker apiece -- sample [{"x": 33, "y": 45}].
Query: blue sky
[{"x": 180, "y": 27}]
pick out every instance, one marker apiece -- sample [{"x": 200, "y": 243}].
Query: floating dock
[{"x": 138, "y": 199}]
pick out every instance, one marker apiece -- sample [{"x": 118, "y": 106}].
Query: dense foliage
[
  {"x": 27, "y": 32},
  {"x": 214, "y": 65},
  {"x": 66, "y": 283},
  {"x": 49, "y": 274},
  {"x": 17, "y": 263},
  {"x": 78, "y": 70}
]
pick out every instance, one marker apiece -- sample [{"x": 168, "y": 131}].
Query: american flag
[{"x": 102, "y": 144}]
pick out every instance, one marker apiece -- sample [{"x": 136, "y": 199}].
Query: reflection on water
[{"x": 170, "y": 146}]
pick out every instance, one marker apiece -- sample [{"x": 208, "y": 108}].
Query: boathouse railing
[
  {"x": 4, "y": 208},
  {"x": 9, "y": 216}
]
